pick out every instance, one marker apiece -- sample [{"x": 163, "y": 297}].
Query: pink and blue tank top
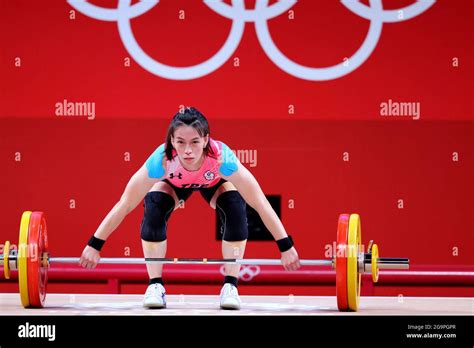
[{"x": 219, "y": 161}]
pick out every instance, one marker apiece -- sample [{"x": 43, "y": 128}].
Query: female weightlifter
[{"x": 190, "y": 160}]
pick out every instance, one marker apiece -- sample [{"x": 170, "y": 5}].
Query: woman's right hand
[
  {"x": 90, "y": 257},
  {"x": 290, "y": 259}
]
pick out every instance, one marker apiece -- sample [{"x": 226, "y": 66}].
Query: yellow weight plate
[
  {"x": 375, "y": 266},
  {"x": 22, "y": 258},
  {"x": 6, "y": 256},
  {"x": 353, "y": 275}
]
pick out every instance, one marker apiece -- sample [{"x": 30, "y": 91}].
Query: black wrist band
[
  {"x": 96, "y": 243},
  {"x": 285, "y": 244}
]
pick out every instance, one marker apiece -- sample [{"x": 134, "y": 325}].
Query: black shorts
[{"x": 185, "y": 193}]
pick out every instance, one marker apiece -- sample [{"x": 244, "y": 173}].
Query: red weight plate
[
  {"x": 44, "y": 265},
  {"x": 341, "y": 262},
  {"x": 37, "y": 274}
]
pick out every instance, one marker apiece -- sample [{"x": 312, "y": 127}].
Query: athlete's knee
[
  {"x": 232, "y": 211},
  {"x": 158, "y": 208}
]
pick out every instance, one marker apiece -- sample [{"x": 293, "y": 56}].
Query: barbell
[{"x": 32, "y": 261}]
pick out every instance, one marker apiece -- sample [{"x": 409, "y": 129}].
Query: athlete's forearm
[
  {"x": 112, "y": 221},
  {"x": 252, "y": 193},
  {"x": 271, "y": 220},
  {"x": 137, "y": 187}
]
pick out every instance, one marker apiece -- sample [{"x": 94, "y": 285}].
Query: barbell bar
[
  {"x": 32, "y": 261},
  {"x": 383, "y": 263}
]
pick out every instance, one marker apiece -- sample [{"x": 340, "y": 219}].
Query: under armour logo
[{"x": 179, "y": 176}]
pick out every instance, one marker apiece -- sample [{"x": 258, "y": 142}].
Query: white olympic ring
[
  {"x": 260, "y": 16},
  {"x": 246, "y": 273}
]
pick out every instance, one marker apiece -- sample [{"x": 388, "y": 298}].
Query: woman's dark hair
[{"x": 189, "y": 116}]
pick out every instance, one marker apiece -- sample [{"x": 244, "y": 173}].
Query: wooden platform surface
[{"x": 100, "y": 304}]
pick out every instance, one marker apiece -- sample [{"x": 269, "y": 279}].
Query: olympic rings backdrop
[{"x": 336, "y": 106}]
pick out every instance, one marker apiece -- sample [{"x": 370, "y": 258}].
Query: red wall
[
  {"x": 300, "y": 160},
  {"x": 300, "y": 155},
  {"x": 83, "y": 60}
]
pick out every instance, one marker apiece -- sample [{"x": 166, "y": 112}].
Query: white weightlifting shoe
[
  {"x": 230, "y": 297},
  {"x": 155, "y": 296}
]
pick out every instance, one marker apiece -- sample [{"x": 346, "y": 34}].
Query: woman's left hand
[{"x": 290, "y": 259}]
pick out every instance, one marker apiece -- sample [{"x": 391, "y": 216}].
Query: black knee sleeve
[
  {"x": 232, "y": 212},
  {"x": 158, "y": 208}
]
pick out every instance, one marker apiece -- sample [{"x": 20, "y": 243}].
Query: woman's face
[{"x": 189, "y": 145}]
